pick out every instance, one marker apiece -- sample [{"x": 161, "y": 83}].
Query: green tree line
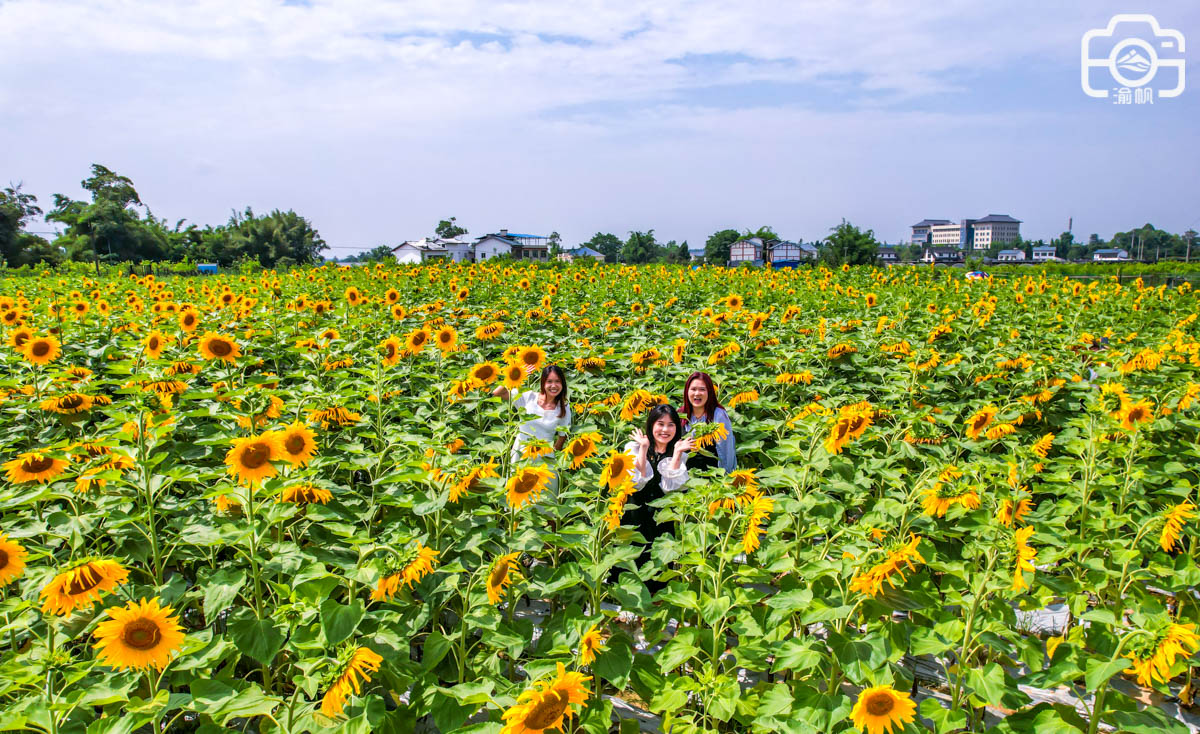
[{"x": 116, "y": 226}]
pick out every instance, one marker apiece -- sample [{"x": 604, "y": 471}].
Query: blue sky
[{"x": 376, "y": 119}]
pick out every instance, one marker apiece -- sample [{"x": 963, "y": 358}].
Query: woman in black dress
[{"x": 659, "y": 466}]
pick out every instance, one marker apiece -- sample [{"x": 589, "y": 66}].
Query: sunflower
[
  {"x": 1132, "y": 413},
  {"x": 41, "y": 350},
  {"x": 871, "y": 300},
  {"x": 760, "y": 511},
  {"x": 217, "y": 346},
  {"x": 350, "y": 679},
  {"x": 526, "y": 485},
  {"x": 299, "y": 444},
  {"x": 581, "y": 448},
  {"x": 18, "y": 337},
  {"x": 1154, "y": 661},
  {"x": 879, "y": 708},
  {"x": 34, "y": 466},
  {"x": 488, "y": 332},
  {"x": 484, "y": 373},
  {"x": 138, "y": 636},
  {"x": 416, "y": 341},
  {"x": 841, "y": 350},
  {"x": 747, "y": 396},
  {"x": 980, "y": 420},
  {"x": 547, "y": 704},
  {"x": 189, "y": 320},
  {"x": 944, "y": 495},
  {"x": 391, "y": 348},
  {"x": 618, "y": 471},
  {"x": 590, "y": 644},
  {"x": 1009, "y": 514},
  {"x": 69, "y": 404},
  {"x": 504, "y": 571},
  {"x": 81, "y": 586},
  {"x": 306, "y": 494},
  {"x": 536, "y": 449},
  {"x": 413, "y": 568},
  {"x": 353, "y": 296},
  {"x": 871, "y": 581},
  {"x": 1173, "y": 525},
  {"x": 839, "y": 435},
  {"x": 155, "y": 343},
  {"x": 1024, "y": 555},
  {"x": 250, "y": 458},
  {"x": 531, "y": 357},
  {"x": 470, "y": 480},
  {"x": 1041, "y": 447},
  {"x": 12, "y": 560},
  {"x": 514, "y": 375},
  {"x": 446, "y": 339}
]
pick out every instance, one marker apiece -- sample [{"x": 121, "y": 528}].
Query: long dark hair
[
  {"x": 561, "y": 399},
  {"x": 652, "y": 417},
  {"x": 710, "y": 407}
]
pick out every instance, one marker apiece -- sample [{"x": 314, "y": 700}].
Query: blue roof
[
  {"x": 585, "y": 250},
  {"x": 530, "y": 236},
  {"x": 1012, "y": 252}
]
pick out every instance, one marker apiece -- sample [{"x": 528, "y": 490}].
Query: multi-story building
[
  {"x": 921, "y": 230},
  {"x": 995, "y": 229},
  {"x": 948, "y": 235},
  {"x": 1044, "y": 253},
  {"x": 1011, "y": 256}
]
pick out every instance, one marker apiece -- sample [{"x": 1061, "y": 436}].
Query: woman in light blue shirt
[{"x": 700, "y": 405}]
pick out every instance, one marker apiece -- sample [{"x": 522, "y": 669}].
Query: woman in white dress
[{"x": 546, "y": 411}]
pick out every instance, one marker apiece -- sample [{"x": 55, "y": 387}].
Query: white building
[
  {"x": 1011, "y": 256},
  {"x": 747, "y": 250},
  {"x": 582, "y": 253},
  {"x": 1044, "y": 253},
  {"x": 995, "y": 229},
  {"x": 1109, "y": 256},
  {"x": 460, "y": 250},
  {"x": 921, "y": 230},
  {"x": 492, "y": 246},
  {"x": 419, "y": 251},
  {"x": 946, "y": 235}
]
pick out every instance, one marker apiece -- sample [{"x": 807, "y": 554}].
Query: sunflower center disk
[
  {"x": 548, "y": 712},
  {"x": 498, "y": 574},
  {"x": 37, "y": 465},
  {"x": 41, "y": 349},
  {"x": 255, "y": 456},
  {"x": 141, "y": 634},
  {"x": 294, "y": 444},
  {"x": 83, "y": 581},
  {"x": 880, "y": 704},
  {"x": 3, "y": 559},
  {"x": 220, "y": 348}
]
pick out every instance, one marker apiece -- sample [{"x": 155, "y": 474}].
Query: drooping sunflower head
[
  {"x": 306, "y": 494},
  {"x": 353, "y": 669},
  {"x": 299, "y": 444},
  {"x": 139, "y": 635},
  {"x": 218, "y": 346},
  {"x": 249, "y": 460},
  {"x": 526, "y": 485},
  {"x": 980, "y": 420},
  {"x": 34, "y": 466},
  {"x": 416, "y": 341},
  {"x": 581, "y": 448},
  {"x": 12, "y": 560},
  {"x": 81, "y": 586},
  {"x": 505, "y": 570},
  {"x": 41, "y": 350},
  {"x": 548, "y": 704},
  {"x": 591, "y": 643}
]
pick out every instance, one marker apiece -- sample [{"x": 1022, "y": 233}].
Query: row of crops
[{"x": 286, "y": 503}]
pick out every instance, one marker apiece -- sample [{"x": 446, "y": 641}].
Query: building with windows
[
  {"x": 942, "y": 255},
  {"x": 1011, "y": 256},
  {"x": 949, "y": 235},
  {"x": 886, "y": 255},
  {"x": 995, "y": 229},
  {"x": 1044, "y": 253},
  {"x": 1110, "y": 256},
  {"x": 921, "y": 231},
  {"x": 419, "y": 251}
]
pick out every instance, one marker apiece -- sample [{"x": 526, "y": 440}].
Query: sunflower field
[{"x": 285, "y": 502}]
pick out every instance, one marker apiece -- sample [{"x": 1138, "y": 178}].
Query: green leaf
[
  {"x": 1099, "y": 671},
  {"x": 256, "y": 638},
  {"x": 614, "y": 663},
  {"x": 1043, "y": 718},
  {"x": 796, "y": 655},
  {"x": 338, "y": 621},
  {"x": 944, "y": 719},
  {"x": 221, "y": 589}
]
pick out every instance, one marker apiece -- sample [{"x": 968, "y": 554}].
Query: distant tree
[
  {"x": 555, "y": 245},
  {"x": 448, "y": 229},
  {"x": 639, "y": 248},
  {"x": 716, "y": 247},
  {"x": 18, "y": 247},
  {"x": 111, "y": 225},
  {"x": 608, "y": 244},
  {"x": 850, "y": 245},
  {"x": 683, "y": 254},
  {"x": 763, "y": 233},
  {"x": 1063, "y": 245}
]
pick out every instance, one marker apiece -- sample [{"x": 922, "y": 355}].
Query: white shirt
[
  {"x": 542, "y": 424},
  {"x": 669, "y": 479}
]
